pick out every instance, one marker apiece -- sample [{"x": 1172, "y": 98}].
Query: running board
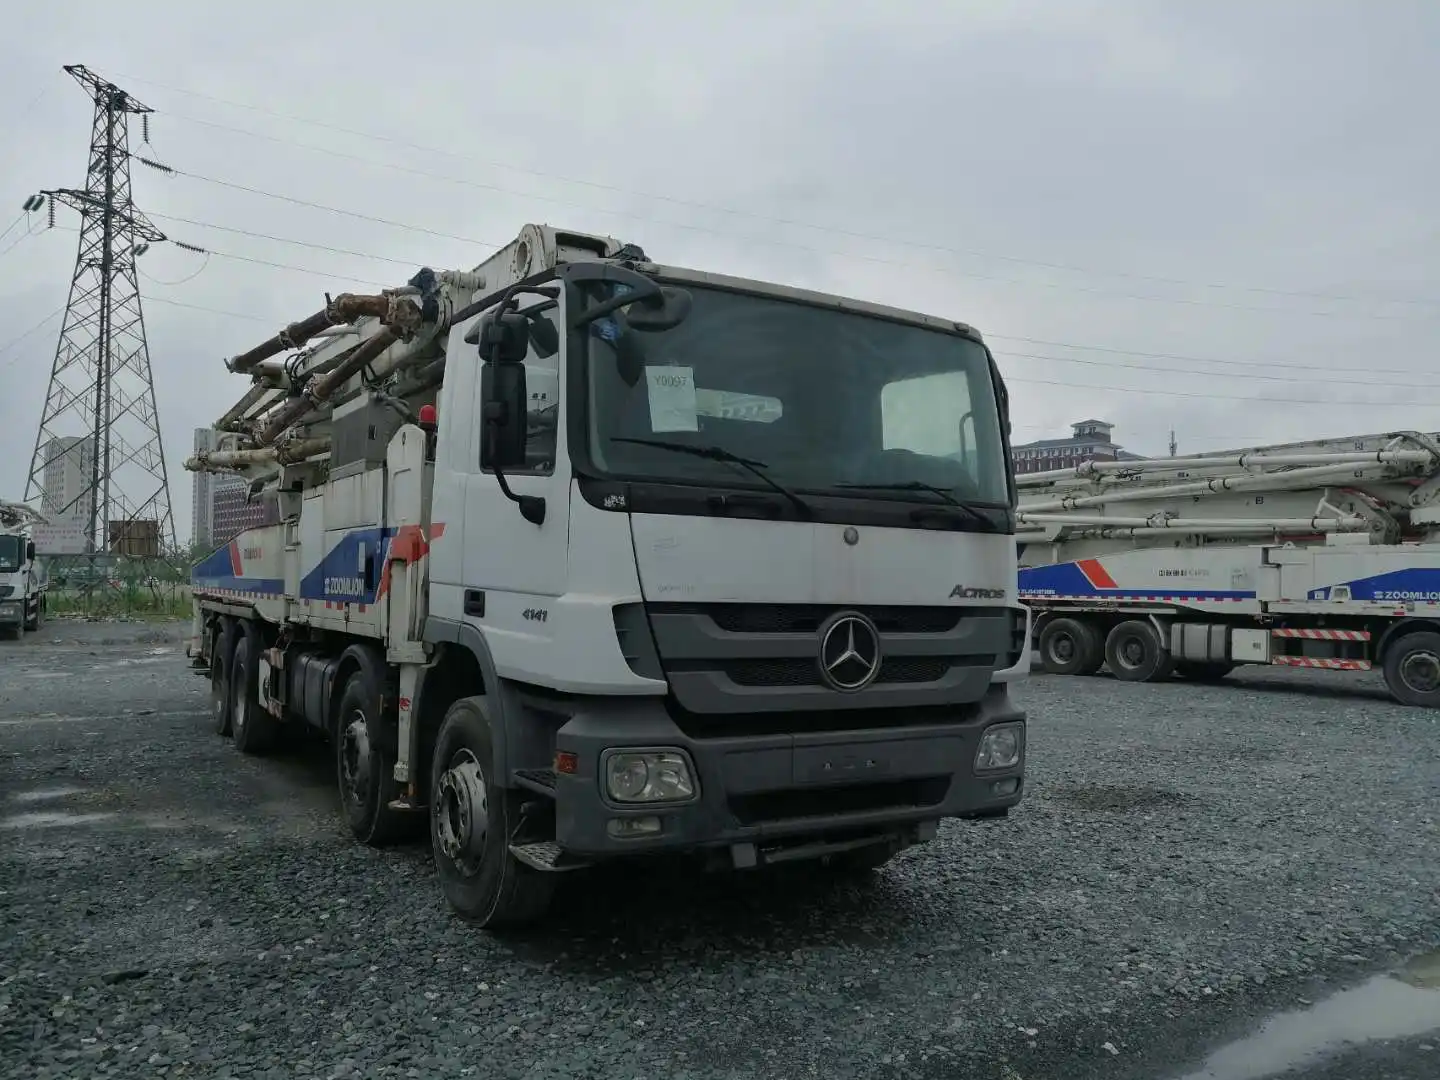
[{"x": 548, "y": 857}]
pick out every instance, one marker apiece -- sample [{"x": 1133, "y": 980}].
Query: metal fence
[{"x": 156, "y": 587}]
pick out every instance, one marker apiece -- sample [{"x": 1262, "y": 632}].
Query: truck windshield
[
  {"x": 827, "y": 401},
  {"x": 11, "y": 548}
]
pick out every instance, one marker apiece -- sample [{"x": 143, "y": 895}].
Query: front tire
[
  {"x": 1412, "y": 669},
  {"x": 471, "y": 822},
  {"x": 364, "y": 770}
]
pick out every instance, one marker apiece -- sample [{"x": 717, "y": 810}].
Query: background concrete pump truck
[
  {"x": 585, "y": 557},
  {"x": 23, "y": 580}
]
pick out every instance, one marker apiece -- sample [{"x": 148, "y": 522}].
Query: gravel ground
[{"x": 1188, "y": 860}]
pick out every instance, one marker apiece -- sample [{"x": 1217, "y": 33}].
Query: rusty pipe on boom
[
  {"x": 298, "y": 406},
  {"x": 345, "y": 308}
]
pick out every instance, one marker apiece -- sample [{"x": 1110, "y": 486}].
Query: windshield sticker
[{"x": 672, "y": 398}]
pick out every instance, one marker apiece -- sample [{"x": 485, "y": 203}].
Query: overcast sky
[{"x": 1199, "y": 215}]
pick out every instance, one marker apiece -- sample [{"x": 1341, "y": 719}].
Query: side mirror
[
  {"x": 29, "y": 550},
  {"x": 502, "y": 340},
  {"x": 502, "y": 439}
]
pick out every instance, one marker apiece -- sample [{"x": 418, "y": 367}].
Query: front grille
[
  {"x": 808, "y": 618},
  {"x": 803, "y": 671},
  {"x": 797, "y": 804}
]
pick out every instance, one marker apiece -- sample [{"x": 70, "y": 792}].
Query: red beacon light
[{"x": 427, "y": 416}]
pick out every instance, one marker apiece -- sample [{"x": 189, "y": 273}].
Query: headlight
[
  {"x": 1000, "y": 747},
  {"x": 648, "y": 776}
]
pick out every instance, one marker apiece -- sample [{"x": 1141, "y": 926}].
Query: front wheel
[
  {"x": 1412, "y": 669},
  {"x": 471, "y": 821}
]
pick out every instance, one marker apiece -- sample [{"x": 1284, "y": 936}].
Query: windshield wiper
[
  {"x": 933, "y": 489},
  {"x": 719, "y": 453}
]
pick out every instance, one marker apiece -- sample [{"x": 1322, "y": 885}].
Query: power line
[
  {"x": 725, "y": 234},
  {"x": 1008, "y": 378},
  {"x": 1312, "y": 378},
  {"x": 286, "y": 240},
  {"x": 34, "y": 329},
  {"x": 270, "y": 263},
  {"x": 696, "y": 204},
  {"x": 1231, "y": 361},
  {"x": 169, "y": 171}
]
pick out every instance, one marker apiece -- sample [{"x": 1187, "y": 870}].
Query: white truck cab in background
[{"x": 23, "y": 580}]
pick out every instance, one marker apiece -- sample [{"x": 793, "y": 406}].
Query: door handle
[{"x": 475, "y": 603}]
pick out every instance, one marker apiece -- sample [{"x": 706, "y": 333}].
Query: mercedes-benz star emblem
[{"x": 849, "y": 652}]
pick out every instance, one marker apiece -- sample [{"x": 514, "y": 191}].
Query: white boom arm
[{"x": 1382, "y": 486}]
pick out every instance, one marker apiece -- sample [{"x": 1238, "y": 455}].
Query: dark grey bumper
[
  {"x": 12, "y": 612},
  {"x": 782, "y": 789}
]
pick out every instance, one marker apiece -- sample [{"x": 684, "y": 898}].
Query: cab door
[{"x": 512, "y": 570}]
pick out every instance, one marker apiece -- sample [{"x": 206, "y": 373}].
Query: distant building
[
  {"x": 1090, "y": 440},
  {"x": 221, "y": 501},
  {"x": 67, "y": 484}
]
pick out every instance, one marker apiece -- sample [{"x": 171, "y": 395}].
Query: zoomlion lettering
[
  {"x": 1406, "y": 594},
  {"x": 345, "y": 586}
]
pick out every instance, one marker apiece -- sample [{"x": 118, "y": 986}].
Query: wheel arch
[
  {"x": 1398, "y": 629},
  {"x": 463, "y": 667},
  {"x": 357, "y": 657}
]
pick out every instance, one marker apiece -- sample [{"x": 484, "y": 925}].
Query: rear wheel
[
  {"x": 1070, "y": 647},
  {"x": 221, "y": 653},
  {"x": 364, "y": 769},
  {"x": 254, "y": 730},
  {"x": 471, "y": 822},
  {"x": 1412, "y": 669},
  {"x": 1134, "y": 653}
]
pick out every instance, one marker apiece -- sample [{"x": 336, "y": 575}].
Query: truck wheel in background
[
  {"x": 471, "y": 820},
  {"x": 1134, "y": 653},
  {"x": 1203, "y": 671},
  {"x": 221, "y": 653},
  {"x": 253, "y": 729},
  {"x": 1412, "y": 669},
  {"x": 1070, "y": 647},
  {"x": 364, "y": 769}
]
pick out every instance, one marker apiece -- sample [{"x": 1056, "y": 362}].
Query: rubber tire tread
[
  {"x": 261, "y": 730},
  {"x": 505, "y": 894},
  {"x": 378, "y": 825}
]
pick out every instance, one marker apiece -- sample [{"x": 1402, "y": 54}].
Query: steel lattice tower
[{"x": 100, "y": 409}]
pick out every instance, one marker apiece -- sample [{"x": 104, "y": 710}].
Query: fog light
[
  {"x": 648, "y": 776},
  {"x": 628, "y": 828},
  {"x": 999, "y": 747},
  {"x": 1006, "y": 786}
]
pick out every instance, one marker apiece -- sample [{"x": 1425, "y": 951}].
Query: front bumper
[
  {"x": 12, "y": 612},
  {"x": 776, "y": 791}
]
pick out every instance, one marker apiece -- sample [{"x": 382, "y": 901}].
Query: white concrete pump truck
[
  {"x": 1316, "y": 555},
  {"x": 23, "y": 580},
  {"x": 583, "y": 557}
]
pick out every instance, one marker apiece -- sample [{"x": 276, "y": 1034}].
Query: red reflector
[{"x": 566, "y": 762}]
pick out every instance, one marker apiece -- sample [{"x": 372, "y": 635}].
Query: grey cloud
[{"x": 1283, "y": 145}]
